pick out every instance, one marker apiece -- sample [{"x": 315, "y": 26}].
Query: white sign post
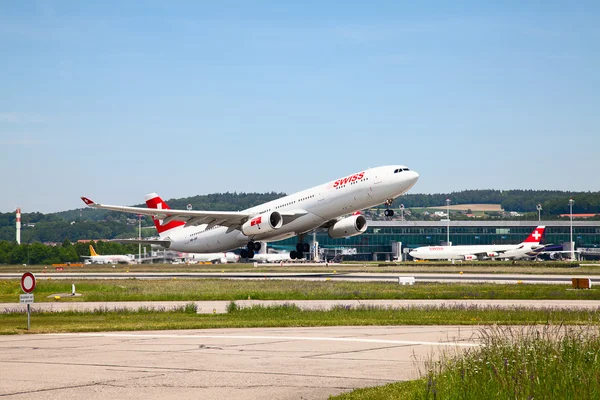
[{"x": 27, "y": 284}]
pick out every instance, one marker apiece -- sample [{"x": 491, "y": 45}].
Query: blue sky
[{"x": 114, "y": 101}]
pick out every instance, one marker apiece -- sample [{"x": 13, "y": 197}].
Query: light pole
[
  {"x": 448, "y": 220},
  {"x": 539, "y": 210},
  {"x": 401, "y": 212},
  {"x": 571, "y": 229},
  {"x": 140, "y": 238}
]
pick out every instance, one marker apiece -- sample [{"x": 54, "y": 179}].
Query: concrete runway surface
[{"x": 273, "y": 363}]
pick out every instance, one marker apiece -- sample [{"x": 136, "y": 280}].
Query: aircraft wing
[{"x": 230, "y": 219}]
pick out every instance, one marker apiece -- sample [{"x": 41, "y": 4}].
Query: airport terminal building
[{"x": 385, "y": 240}]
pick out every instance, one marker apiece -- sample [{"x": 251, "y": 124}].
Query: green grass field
[
  {"x": 226, "y": 289},
  {"x": 286, "y": 316}
]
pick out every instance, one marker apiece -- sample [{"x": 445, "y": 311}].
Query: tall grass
[{"x": 548, "y": 362}]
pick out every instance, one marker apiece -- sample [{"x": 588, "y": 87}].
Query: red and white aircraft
[
  {"x": 322, "y": 206},
  {"x": 506, "y": 251}
]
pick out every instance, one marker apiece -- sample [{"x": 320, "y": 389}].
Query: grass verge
[
  {"x": 551, "y": 362},
  {"x": 287, "y": 316},
  {"x": 225, "y": 289}
]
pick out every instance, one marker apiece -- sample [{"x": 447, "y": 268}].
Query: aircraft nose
[{"x": 413, "y": 177}]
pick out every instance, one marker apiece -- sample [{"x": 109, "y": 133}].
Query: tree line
[
  {"x": 38, "y": 253},
  {"x": 554, "y": 202}
]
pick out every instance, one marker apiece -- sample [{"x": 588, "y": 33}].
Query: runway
[
  {"x": 319, "y": 276},
  {"x": 277, "y": 363}
]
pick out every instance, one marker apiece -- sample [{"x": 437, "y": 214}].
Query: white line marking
[{"x": 309, "y": 338}]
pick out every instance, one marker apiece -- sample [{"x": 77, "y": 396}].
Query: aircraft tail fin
[
  {"x": 92, "y": 251},
  {"x": 153, "y": 200},
  {"x": 536, "y": 235}
]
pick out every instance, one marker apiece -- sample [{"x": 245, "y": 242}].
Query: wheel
[
  {"x": 257, "y": 246},
  {"x": 391, "y": 213},
  {"x": 299, "y": 255},
  {"x": 293, "y": 255},
  {"x": 250, "y": 254},
  {"x": 250, "y": 245},
  {"x": 244, "y": 253},
  {"x": 299, "y": 247},
  {"x": 306, "y": 248}
]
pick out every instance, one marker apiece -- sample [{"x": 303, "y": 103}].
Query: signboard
[
  {"x": 26, "y": 298},
  {"x": 28, "y": 282}
]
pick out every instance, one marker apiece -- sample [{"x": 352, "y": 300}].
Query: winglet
[{"x": 87, "y": 201}]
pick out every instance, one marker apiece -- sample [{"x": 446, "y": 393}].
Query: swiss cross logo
[
  {"x": 256, "y": 221},
  {"x": 536, "y": 235}
]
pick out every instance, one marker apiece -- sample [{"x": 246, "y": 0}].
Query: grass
[
  {"x": 286, "y": 316},
  {"x": 551, "y": 362},
  {"x": 226, "y": 289}
]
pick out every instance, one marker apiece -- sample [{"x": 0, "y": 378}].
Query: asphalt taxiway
[{"x": 276, "y": 363}]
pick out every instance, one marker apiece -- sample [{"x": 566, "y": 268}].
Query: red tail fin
[
  {"x": 154, "y": 201},
  {"x": 536, "y": 235}
]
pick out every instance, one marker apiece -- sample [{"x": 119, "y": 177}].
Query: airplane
[
  {"x": 334, "y": 206},
  {"x": 475, "y": 252},
  {"x": 271, "y": 257},
  {"x": 95, "y": 258},
  {"x": 215, "y": 258}
]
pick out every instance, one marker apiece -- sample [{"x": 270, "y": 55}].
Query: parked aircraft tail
[
  {"x": 92, "y": 251},
  {"x": 536, "y": 235}
]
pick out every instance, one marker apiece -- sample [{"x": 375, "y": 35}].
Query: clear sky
[{"x": 116, "y": 99}]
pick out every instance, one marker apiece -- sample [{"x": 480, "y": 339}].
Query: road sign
[
  {"x": 28, "y": 282},
  {"x": 26, "y": 298}
]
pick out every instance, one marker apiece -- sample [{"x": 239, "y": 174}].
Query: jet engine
[
  {"x": 492, "y": 254},
  {"x": 262, "y": 223},
  {"x": 470, "y": 257},
  {"x": 349, "y": 226}
]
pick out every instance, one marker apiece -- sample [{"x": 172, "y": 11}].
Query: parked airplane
[
  {"x": 95, "y": 258},
  {"x": 295, "y": 215},
  {"x": 215, "y": 258},
  {"x": 271, "y": 257},
  {"x": 512, "y": 251}
]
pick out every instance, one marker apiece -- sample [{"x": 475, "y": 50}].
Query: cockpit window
[
  {"x": 398, "y": 170},
  {"x": 406, "y": 169}
]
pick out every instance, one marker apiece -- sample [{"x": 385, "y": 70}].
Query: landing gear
[
  {"x": 246, "y": 253},
  {"x": 388, "y": 212},
  {"x": 301, "y": 248},
  {"x": 253, "y": 246}
]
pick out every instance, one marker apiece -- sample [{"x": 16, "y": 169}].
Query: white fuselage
[
  {"x": 110, "y": 259},
  {"x": 222, "y": 258},
  {"x": 271, "y": 257},
  {"x": 509, "y": 251},
  {"x": 322, "y": 203}
]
